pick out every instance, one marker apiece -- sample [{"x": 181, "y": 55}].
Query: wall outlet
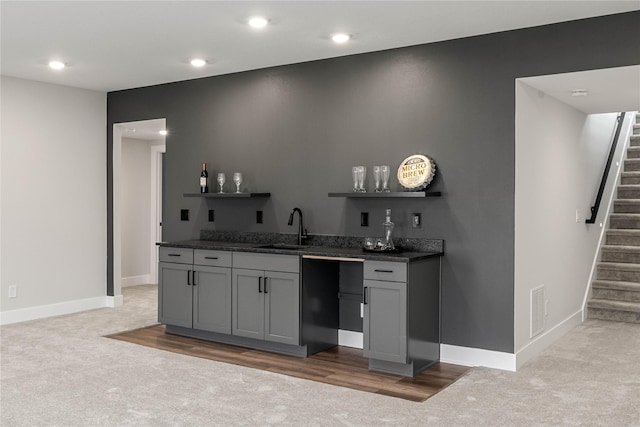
[
  {"x": 258, "y": 217},
  {"x": 212, "y": 215},
  {"x": 184, "y": 214},
  {"x": 364, "y": 219},
  {"x": 416, "y": 220},
  {"x": 13, "y": 291},
  {"x": 578, "y": 216}
]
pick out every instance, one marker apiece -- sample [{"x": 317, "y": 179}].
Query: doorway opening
[{"x": 138, "y": 149}]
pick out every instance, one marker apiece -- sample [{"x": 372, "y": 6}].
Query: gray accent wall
[{"x": 296, "y": 130}]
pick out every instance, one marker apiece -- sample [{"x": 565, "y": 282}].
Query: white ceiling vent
[{"x": 537, "y": 310}]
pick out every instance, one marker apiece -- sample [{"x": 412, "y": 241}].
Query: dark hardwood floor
[{"x": 340, "y": 366}]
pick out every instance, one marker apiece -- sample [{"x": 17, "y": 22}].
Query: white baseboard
[
  {"x": 468, "y": 356},
  {"x": 507, "y": 361},
  {"x": 115, "y": 301},
  {"x": 350, "y": 338},
  {"x": 67, "y": 307},
  {"x": 143, "y": 279},
  {"x": 547, "y": 338}
]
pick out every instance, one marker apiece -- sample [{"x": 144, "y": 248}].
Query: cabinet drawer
[
  {"x": 212, "y": 258},
  {"x": 269, "y": 262},
  {"x": 176, "y": 255},
  {"x": 384, "y": 270}
]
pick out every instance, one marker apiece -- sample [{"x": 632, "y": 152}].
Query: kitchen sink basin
[{"x": 285, "y": 246}]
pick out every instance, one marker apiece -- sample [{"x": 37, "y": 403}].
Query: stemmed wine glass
[
  {"x": 221, "y": 181},
  {"x": 237, "y": 179}
]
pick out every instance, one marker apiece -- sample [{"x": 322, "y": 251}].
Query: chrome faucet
[{"x": 302, "y": 232}]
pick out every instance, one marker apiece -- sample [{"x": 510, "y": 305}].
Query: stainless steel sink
[{"x": 284, "y": 246}]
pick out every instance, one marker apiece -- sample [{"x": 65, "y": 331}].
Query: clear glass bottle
[{"x": 388, "y": 228}]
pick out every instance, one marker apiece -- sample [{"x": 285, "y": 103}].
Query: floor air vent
[{"x": 537, "y": 311}]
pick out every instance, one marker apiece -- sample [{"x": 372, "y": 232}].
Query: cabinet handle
[
  {"x": 173, "y": 255},
  {"x": 193, "y": 277},
  {"x": 364, "y": 295},
  {"x": 211, "y": 257},
  {"x": 265, "y": 286},
  {"x": 383, "y": 271},
  {"x": 188, "y": 277},
  {"x": 260, "y": 285}
]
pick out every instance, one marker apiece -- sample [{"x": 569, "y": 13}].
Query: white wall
[
  {"x": 53, "y": 189},
  {"x": 560, "y": 156},
  {"x": 134, "y": 210}
]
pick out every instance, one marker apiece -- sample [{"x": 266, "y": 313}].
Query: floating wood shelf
[
  {"x": 227, "y": 195},
  {"x": 392, "y": 194}
]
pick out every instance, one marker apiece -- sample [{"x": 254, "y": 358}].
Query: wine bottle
[{"x": 204, "y": 179}]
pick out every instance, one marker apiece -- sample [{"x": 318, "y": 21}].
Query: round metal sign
[{"x": 416, "y": 172}]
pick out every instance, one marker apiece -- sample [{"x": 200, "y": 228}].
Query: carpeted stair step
[
  {"x": 628, "y": 192},
  {"x": 632, "y": 165},
  {"x": 623, "y": 237},
  {"x": 636, "y": 127},
  {"x": 630, "y": 178},
  {"x": 618, "y": 271},
  {"x": 626, "y": 206},
  {"x": 617, "y": 311},
  {"x": 624, "y": 221},
  {"x": 626, "y": 254},
  {"x": 616, "y": 291},
  {"x": 634, "y": 141},
  {"x": 633, "y": 153}
]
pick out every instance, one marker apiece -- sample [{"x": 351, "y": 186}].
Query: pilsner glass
[
  {"x": 362, "y": 173},
  {"x": 384, "y": 170},
  {"x": 354, "y": 173},
  {"x": 376, "y": 178}
]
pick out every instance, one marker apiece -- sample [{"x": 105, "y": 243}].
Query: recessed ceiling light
[
  {"x": 163, "y": 132},
  {"x": 579, "y": 92},
  {"x": 258, "y": 22},
  {"x": 56, "y": 65},
  {"x": 198, "y": 62},
  {"x": 340, "y": 37}
]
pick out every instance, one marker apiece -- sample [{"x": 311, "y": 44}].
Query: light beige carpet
[{"x": 63, "y": 372}]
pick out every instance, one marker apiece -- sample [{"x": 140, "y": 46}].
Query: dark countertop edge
[{"x": 313, "y": 250}]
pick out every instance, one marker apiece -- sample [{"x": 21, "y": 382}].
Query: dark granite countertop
[{"x": 325, "y": 251}]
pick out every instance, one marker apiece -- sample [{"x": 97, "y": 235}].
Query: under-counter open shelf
[
  {"x": 227, "y": 195},
  {"x": 392, "y": 194}
]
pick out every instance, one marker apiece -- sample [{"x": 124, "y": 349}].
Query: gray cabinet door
[
  {"x": 248, "y": 303},
  {"x": 175, "y": 294},
  {"x": 212, "y": 299},
  {"x": 282, "y": 307},
  {"x": 385, "y": 321}
]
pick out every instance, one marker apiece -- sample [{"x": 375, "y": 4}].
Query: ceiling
[
  {"x": 113, "y": 45},
  {"x": 607, "y": 91}
]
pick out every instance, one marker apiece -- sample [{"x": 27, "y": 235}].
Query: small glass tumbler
[
  {"x": 384, "y": 171},
  {"x": 369, "y": 243},
  {"x": 354, "y": 173},
  {"x": 376, "y": 178}
]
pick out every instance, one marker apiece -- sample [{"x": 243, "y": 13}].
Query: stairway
[{"x": 615, "y": 294}]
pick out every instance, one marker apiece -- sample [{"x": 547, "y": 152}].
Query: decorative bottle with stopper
[{"x": 388, "y": 228}]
